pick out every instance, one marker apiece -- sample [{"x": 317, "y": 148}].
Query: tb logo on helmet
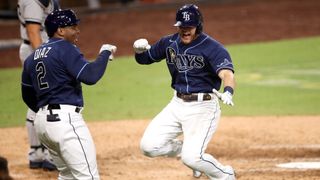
[{"x": 186, "y": 16}]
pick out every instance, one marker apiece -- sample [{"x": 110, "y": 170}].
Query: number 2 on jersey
[{"x": 41, "y": 73}]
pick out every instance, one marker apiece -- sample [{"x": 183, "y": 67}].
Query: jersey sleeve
[
  {"x": 33, "y": 12},
  {"x": 25, "y": 78},
  {"x": 93, "y": 71},
  {"x": 156, "y": 53},
  {"x": 27, "y": 91},
  {"x": 73, "y": 59},
  {"x": 221, "y": 59}
]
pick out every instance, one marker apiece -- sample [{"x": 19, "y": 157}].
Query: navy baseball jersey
[
  {"x": 55, "y": 72},
  {"x": 194, "y": 67}
]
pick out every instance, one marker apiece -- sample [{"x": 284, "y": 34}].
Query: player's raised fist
[
  {"x": 141, "y": 45},
  {"x": 110, "y": 48}
]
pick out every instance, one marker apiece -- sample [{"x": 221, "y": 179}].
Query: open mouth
[{"x": 186, "y": 34}]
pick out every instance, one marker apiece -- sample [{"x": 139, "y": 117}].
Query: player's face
[
  {"x": 187, "y": 34},
  {"x": 71, "y": 34}
]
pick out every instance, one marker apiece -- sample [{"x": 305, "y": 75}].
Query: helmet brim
[{"x": 178, "y": 24}]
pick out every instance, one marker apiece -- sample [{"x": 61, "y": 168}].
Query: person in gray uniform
[{"x": 32, "y": 14}]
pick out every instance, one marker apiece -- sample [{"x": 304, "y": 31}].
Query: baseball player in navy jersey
[
  {"x": 198, "y": 65},
  {"x": 51, "y": 86},
  {"x": 32, "y": 14}
]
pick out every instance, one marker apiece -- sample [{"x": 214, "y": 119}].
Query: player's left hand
[
  {"x": 225, "y": 97},
  {"x": 110, "y": 48}
]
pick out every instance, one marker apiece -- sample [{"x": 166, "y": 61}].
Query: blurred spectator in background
[
  {"x": 94, "y": 4},
  {"x": 4, "y": 170},
  {"x": 126, "y": 1},
  {"x": 154, "y": 1}
]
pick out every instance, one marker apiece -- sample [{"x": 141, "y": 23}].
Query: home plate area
[{"x": 300, "y": 165}]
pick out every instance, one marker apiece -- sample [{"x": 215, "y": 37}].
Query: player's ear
[{"x": 60, "y": 31}]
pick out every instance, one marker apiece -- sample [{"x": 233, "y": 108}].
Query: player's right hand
[
  {"x": 110, "y": 48},
  {"x": 141, "y": 45}
]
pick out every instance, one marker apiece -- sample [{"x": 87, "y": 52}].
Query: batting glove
[
  {"x": 141, "y": 45},
  {"x": 225, "y": 97},
  {"x": 110, "y": 48}
]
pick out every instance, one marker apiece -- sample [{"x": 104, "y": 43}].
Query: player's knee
[
  {"x": 148, "y": 148},
  {"x": 190, "y": 159}
]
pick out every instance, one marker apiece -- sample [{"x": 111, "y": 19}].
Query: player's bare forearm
[
  {"x": 228, "y": 81},
  {"x": 33, "y": 31},
  {"x": 227, "y": 78}
]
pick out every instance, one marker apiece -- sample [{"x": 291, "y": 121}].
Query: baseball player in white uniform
[
  {"x": 198, "y": 65},
  {"x": 32, "y": 14}
]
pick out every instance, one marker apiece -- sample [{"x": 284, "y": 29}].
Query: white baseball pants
[
  {"x": 197, "y": 121},
  {"x": 69, "y": 142}
]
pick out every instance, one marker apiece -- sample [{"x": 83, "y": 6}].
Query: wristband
[{"x": 229, "y": 89}]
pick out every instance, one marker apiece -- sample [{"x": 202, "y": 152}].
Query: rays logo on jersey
[{"x": 184, "y": 62}]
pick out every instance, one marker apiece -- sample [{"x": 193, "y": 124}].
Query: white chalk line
[
  {"x": 277, "y": 165},
  {"x": 300, "y": 165},
  {"x": 294, "y": 164},
  {"x": 286, "y": 146}
]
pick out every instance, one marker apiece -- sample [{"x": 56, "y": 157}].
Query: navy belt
[{"x": 194, "y": 96}]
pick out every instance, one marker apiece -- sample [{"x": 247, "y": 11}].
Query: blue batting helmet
[
  {"x": 189, "y": 15},
  {"x": 60, "y": 18}
]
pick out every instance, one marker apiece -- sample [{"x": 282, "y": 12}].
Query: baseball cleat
[
  {"x": 35, "y": 158},
  {"x": 35, "y": 165},
  {"x": 40, "y": 158},
  {"x": 48, "y": 166},
  {"x": 233, "y": 175},
  {"x": 197, "y": 174}
]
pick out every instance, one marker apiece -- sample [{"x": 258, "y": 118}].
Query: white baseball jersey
[{"x": 32, "y": 11}]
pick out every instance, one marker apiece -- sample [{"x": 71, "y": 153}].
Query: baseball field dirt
[{"x": 253, "y": 145}]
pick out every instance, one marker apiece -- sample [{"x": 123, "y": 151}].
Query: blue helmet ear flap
[{"x": 200, "y": 26}]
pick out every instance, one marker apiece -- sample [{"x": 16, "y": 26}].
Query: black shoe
[
  {"x": 35, "y": 165},
  {"x": 48, "y": 166}
]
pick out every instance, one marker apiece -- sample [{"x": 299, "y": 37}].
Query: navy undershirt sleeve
[
  {"x": 29, "y": 97},
  {"x": 27, "y": 91},
  {"x": 93, "y": 71},
  {"x": 143, "y": 58}
]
